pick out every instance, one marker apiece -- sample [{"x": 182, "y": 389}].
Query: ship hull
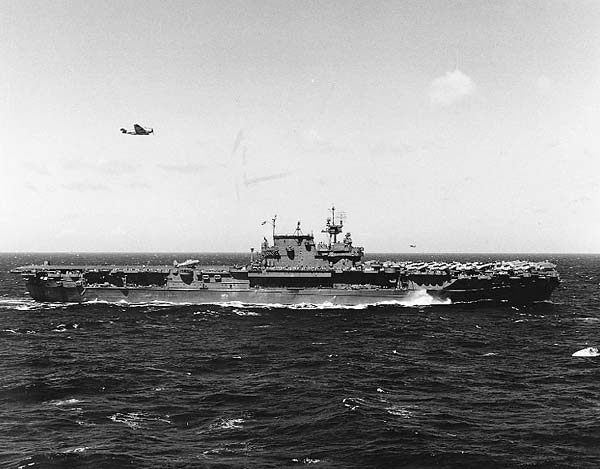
[{"x": 289, "y": 296}]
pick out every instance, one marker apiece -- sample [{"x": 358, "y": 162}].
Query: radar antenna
[{"x": 332, "y": 228}]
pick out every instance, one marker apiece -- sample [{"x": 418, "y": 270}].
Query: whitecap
[
  {"x": 26, "y": 465},
  {"x": 418, "y": 298},
  {"x": 228, "y": 424},
  {"x": 324, "y": 305},
  {"x": 587, "y": 352},
  {"x": 65, "y": 402},
  {"x": 306, "y": 461},
  {"x": 399, "y": 411},
  {"x": 14, "y": 301},
  {"x": 353, "y": 403},
  {"x": 80, "y": 449},
  {"x": 136, "y": 419},
  {"x": 246, "y": 313},
  {"x": 232, "y": 304},
  {"x": 414, "y": 298},
  {"x": 20, "y": 304}
]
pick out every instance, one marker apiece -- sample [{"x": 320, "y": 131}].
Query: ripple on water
[{"x": 138, "y": 420}]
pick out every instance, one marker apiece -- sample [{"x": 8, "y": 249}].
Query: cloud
[{"x": 450, "y": 88}]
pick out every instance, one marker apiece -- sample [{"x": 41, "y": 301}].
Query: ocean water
[{"x": 229, "y": 385}]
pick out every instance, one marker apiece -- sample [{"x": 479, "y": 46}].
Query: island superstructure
[{"x": 294, "y": 270}]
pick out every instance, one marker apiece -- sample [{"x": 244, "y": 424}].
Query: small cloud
[
  {"x": 544, "y": 84},
  {"x": 450, "y": 88}
]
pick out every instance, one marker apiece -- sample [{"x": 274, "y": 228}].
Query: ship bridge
[{"x": 298, "y": 251}]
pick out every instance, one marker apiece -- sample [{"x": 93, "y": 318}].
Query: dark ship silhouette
[{"x": 296, "y": 270}]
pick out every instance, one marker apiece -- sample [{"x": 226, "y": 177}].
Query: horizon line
[{"x": 248, "y": 252}]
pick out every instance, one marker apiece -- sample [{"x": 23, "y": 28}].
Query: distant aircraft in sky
[
  {"x": 138, "y": 130},
  {"x": 413, "y": 245}
]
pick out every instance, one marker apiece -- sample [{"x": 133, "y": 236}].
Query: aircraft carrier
[{"x": 295, "y": 270}]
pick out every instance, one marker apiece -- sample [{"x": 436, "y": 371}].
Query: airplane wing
[{"x": 139, "y": 129}]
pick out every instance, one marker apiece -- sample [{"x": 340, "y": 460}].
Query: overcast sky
[{"x": 458, "y": 126}]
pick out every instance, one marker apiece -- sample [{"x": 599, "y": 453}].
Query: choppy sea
[{"x": 229, "y": 385}]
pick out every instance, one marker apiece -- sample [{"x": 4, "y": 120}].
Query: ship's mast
[
  {"x": 273, "y": 220},
  {"x": 331, "y": 228},
  {"x": 298, "y": 231}
]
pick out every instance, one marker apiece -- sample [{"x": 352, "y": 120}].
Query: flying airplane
[
  {"x": 138, "y": 130},
  {"x": 413, "y": 245}
]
